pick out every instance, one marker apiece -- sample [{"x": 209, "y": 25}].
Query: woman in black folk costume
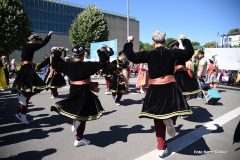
[
  {"x": 164, "y": 100},
  {"x": 118, "y": 80},
  {"x": 82, "y": 105},
  {"x": 28, "y": 83},
  {"x": 188, "y": 85},
  {"x": 53, "y": 78},
  {"x": 104, "y": 54}
]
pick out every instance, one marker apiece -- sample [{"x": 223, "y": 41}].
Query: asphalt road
[{"x": 119, "y": 134}]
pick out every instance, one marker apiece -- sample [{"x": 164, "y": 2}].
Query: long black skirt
[
  {"x": 106, "y": 71},
  {"x": 82, "y": 104},
  {"x": 56, "y": 81},
  {"x": 117, "y": 84},
  {"x": 188, "y": 85},
  {"x": 28, "y": 81},
  {"x": 164, "y": 101}
]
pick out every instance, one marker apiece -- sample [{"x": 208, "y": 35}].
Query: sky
[{"x": 199, "y": 20}]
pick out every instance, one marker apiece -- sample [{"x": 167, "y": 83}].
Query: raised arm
[
  {"x": 110, "y": 53},
  {"x": 61, "y": 67},
  {"x": 43, "y": 63},
  {"x": 185, "y": 54},
  {"x": 44, "y": 42},
  {"x": 135, "y": 57}
]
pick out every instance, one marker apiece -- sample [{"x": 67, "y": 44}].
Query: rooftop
[{"x": 81, "y": 6}]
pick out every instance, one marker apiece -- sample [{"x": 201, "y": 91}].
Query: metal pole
[{"x": 127, "y": 18}]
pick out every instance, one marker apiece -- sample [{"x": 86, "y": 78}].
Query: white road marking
[{"x": 188, "y": 139}]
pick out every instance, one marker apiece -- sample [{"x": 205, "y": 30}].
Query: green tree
[
  {"x": 234, "y": 31},
  {"x": 89, "y": 26},
  {"x": 195, "y": 43},
  {"x": 210, "y": 44},
  {"x": 145, "y": 46},
  {"x": 14, "y": 26}
]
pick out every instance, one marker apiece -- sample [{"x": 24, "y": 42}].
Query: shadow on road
[
  {"x": 116, "y": 133},
  {"x": 200, "y": 146},
  {"x": 24, "y": 136},
  {"x": 36, "y": 155},
  {"x": 200, "y": 115},
  {"x": 108, "y": 112},
  {"x": 127, "y": 102}
]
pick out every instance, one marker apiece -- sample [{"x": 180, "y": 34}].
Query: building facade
[
  {"x": 57, "y": 16},
  {"x": 230, "y": 40}
]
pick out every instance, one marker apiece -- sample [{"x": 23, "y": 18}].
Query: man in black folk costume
[
  {"x": 28, "y": 83},
  {"x": 164, "y": 100},
  {"x": 188, "y": 85},
  {"x": 104, "y": 54},
  {"x": 82, "y": 105},
  {"x": 53, "y": 78},
  {"x": 118, "y": 80}
]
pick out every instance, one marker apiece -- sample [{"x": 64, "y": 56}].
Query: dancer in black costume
[
  {"x": 104, "y": 54},
  {"x": 53, "y": 78},
  {"x": 28, "y": 83},
  {"x": 164, "y": 100},
  {"x": 118, "y": 80},
  {"x": 188, "y": 85},
  {"x": 82, "y": 105}
]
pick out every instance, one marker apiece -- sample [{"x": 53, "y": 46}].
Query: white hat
[
  {"x": 33, "y": 36},
  {"x": 211, "y": 59},
  {"x": 158, "y": 36},
  {"x": 54, "y": 48}
]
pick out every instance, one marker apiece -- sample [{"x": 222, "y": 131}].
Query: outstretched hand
[
  {"x": 50, "y": 33},
  {"x": 181, "y": 37},
  {"x": 130, "y": 39}
]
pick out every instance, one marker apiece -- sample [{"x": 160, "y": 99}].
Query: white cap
[
  {"x": 181, "y": 36},
  {"x": 54, "y": 48},
  {"x": 158, "y": 36}
]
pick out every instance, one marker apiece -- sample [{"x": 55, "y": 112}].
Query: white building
[{"x": 230, "y": 40}]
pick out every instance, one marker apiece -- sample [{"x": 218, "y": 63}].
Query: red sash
[
  {"x": 93, "y": 85},
  {"x": 162, "y": 80}
]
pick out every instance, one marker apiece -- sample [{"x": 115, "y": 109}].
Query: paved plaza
[{"x": 119, "y": 135}]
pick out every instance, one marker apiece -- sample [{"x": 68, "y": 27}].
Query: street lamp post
[{"x": 127, "y": 18}]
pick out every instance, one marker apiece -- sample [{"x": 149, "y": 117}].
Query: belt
[
  {"x": 26, "y": 62},
  {"x": 92, "y": 85},
  {"x": 81, "y": 82},
  {"x": 180, "y": 68},
  {"x": 162, "y": 80}
]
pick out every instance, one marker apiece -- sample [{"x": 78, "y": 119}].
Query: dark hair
[{"x": 201, "y": 52}]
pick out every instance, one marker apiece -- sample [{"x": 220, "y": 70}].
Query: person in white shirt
[{"x": 202, "y": 67}]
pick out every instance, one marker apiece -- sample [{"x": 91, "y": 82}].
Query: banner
[
  {"x": 95, "y": 46},
  {"x": 227, "y": 58}
]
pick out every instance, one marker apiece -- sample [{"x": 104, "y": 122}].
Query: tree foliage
[
  {"x": 195, "y": 43},
  {"x": 210, "y": 44},
  {"x": 234, "y": 31},
  {"x": 15, "y": 26},
  {"x": 89, "y": 26},
  {"x": 145, "y": 46}
]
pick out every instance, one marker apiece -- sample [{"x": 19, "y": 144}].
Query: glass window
[
  {"x": 50, "y": 17},
  {"x": 230, "y": 39},
  {"x": 57, "y": 7},
  {"x": 31, "y": 4},
  {"x": 45, "y": 4},
  {"x": 49, "y": 6},
  {"x": 53, "y": 7},
  {"x": 49, "y": 26},
  {"x": 60, "y": 8},
  {"x": 40, "y": 4},
  {"x": 54, "y": 17}
]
